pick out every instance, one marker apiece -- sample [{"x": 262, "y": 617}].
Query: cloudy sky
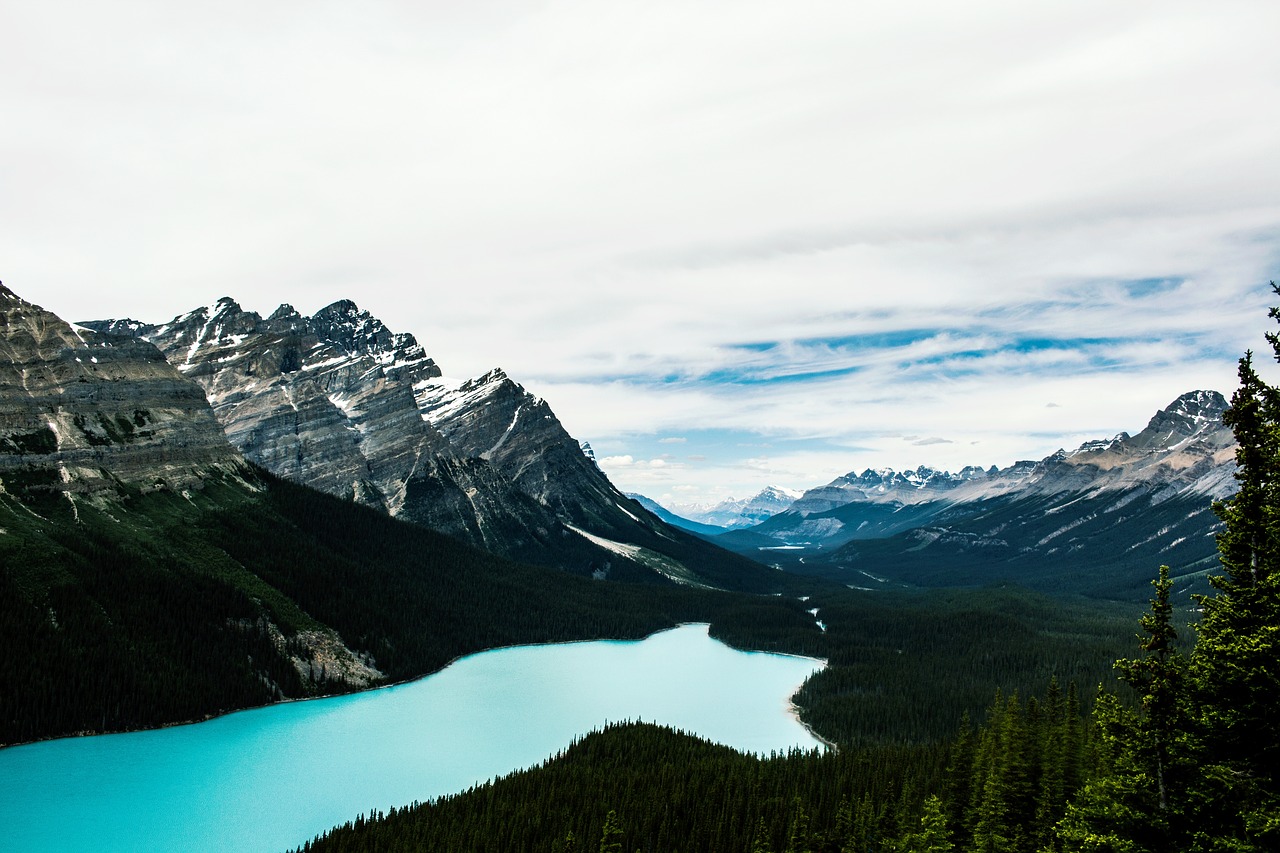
[{"x": 731, "y": 243}]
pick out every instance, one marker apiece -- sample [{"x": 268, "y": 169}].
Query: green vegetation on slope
[
  {"x": 160, "y": 607},
  {"x": 1002, "y": 786}
]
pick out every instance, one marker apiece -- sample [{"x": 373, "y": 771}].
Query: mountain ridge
[
  {"x": 341, "y": 403},
  {"x": 150, "y": 574},
  {"x": 1112, "y": 508}
]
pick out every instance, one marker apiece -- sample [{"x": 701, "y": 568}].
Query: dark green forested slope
[
  {"x": 152, "y": 608},
  {"x": 160, "y": 608},
  {"x": 652, "y": 789},
  {"x": 906, "y": 666}
]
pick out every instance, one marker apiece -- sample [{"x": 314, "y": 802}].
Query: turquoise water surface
[{"x": 271, "y": 778}]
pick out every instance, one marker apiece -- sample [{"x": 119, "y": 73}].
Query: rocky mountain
[
  {"x": 328, "y": 401},
  {"x": 86, "y": 413},
  {"x": 149, "y": 574},
  {"x": 884, "y": 485},
  {"x": 1126, "y": 504},
  {"x": 97, "y": 430},
  {"x": 340, "y": 403}
]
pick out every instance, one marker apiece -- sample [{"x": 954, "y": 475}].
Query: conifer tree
[
  {"x": 1140, "y": 801},
  {"x": 798, "y": 836},
  {"x": 611, "y": 835},
  {"x": 1157, "y": 677},
  {"x": 1235, "y": 667},
  {"x": 933, "y": 836},
  {"x": 760, "y": 843},
  {"x": 1199, "y": 768}
]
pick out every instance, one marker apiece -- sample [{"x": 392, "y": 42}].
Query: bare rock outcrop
[{"x": 87, "y": 411}]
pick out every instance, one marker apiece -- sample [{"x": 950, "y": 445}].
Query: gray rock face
[
  {"x": 98, "y": 410},
  {"x": 328, "y": 401},
  {"x": 495, "y": 419},
  {"x": 339, "y": 402}
]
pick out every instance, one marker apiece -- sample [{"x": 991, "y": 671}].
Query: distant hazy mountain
[
  {"x": 731, "y": 514},
  {"x": 338, "y": 402},
  {"x": 673, "y": 519},
  {"x": 1101, "y": 517}
]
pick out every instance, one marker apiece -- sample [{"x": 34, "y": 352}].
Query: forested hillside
[{"x": 167, "y": 607}]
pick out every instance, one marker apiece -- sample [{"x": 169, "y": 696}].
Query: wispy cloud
[{"x": 832, "y": 223}]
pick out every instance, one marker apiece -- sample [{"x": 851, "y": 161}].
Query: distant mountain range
[
  {"x": 1099, "y": 519},
  {"x": 728, "y": 514}
]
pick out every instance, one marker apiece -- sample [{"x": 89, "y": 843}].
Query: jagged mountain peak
[
  {"x": 732, "y": 513},
  {"x": 341, "y": 308},
  {"x": 1192, "y": 416},
  {"x": 777, "y": 493},
  {"x": 284, "y": 312},
  {"x": 495, "y": 376},
  {"x": 922, "y": 477},
  {"x": 123, "y": 326},
  {"x": 1099, "y": 445},
  {"x": 223, "y": 308},
  {"x": 356, "y": 331},
  {"x": 1199, "y": 404}
]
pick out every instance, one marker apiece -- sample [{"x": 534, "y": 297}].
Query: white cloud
[
  {"x": 624, "y": 461},
  {"x": 609, "y": 198}
]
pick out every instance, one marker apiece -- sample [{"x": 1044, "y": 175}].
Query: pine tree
[
  {"x": 1199, "y": 768},
  {"x": 611, "y": 835},
  {"x": 933, "y": 836},
  {"x": 1235, "y": 667},
  {"x": 1157, "y": 677},
  {"x": 798, "y": 836},
  {"x": 760, "y": 843}
]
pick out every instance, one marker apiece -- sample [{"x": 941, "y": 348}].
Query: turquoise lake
[{"x": 271, "y": 778}]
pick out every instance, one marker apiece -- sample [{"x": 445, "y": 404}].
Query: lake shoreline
[
  {"x": 415, "y": 678},
  {"x": 296, "y": 769}
]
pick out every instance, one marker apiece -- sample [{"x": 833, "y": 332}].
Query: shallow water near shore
[{"x": 271, "y": 778}]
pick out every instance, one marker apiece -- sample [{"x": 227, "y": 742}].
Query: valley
[{"x": 226, "y": 512}]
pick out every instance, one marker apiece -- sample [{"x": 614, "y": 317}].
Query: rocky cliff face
[
  {"x": 338, "y": 402},
  {"x": 495, "y": 419},
  {"x": 84, "y": 412},
  {"x": 328, "y": 401}
]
